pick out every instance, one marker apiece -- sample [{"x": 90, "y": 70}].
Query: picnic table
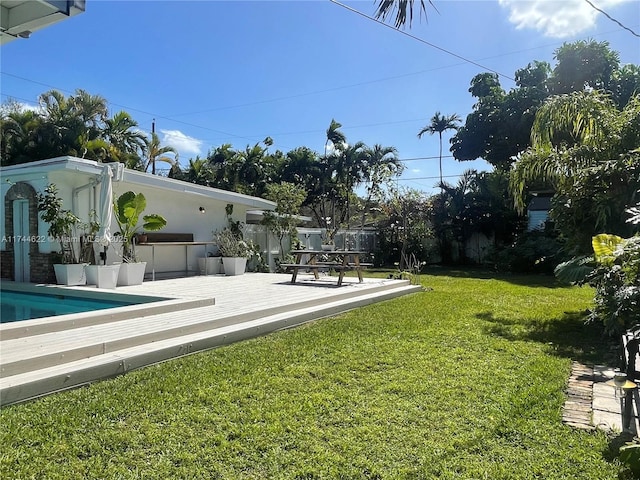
[{"x": 338, "y": 260}]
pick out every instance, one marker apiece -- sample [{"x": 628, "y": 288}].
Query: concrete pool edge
[
  {"x": 151, "y": 305},
  {"x": 234, "y": 328}
]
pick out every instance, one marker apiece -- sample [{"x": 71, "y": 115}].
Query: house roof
[
  {"x": 20, "y": 18},
  {"x": 256, "y": 216},
  {"x": 90, "y": 167}
]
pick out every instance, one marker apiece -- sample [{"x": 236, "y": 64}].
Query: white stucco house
[{"x": 189, "y": 208}]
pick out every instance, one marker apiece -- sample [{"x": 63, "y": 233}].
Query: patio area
[{"x": 44, "y": 356}]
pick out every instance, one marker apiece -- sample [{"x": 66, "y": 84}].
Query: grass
[{"x": 462, "y": 381}]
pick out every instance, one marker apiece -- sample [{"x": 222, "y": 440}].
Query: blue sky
[{"x": 214, "y": 72}]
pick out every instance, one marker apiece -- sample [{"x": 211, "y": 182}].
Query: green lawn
[{"x": 464, "y": 380}]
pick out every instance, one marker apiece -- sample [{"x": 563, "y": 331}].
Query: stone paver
[{"x": 592, "y": 403}]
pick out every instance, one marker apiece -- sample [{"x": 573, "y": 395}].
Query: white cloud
[
  {"x": 558, "y": 19},
  {"x": 415, "y": 170},
  {"x": 331, "y": 148},
  {"x": 181, "y": 142},
  {"x": 22, "y": 107}
]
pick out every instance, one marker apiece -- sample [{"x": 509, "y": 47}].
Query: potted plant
[
  {"x": 62, "y": 228},
  {"x": 100, "y": 275},
  {"x": 328, "y": 240},
  {"x": 211, "y": 264},
  {"x": 87, "y": 250},
  {"x": 128, "y": 208},
  {"x": 235, "y": 251}
]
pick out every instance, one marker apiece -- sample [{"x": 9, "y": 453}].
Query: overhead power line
[
  {"x": 448, "y": 52},
  {"x": 611, "y": 18},
  {"x": 400, "y": 179}
]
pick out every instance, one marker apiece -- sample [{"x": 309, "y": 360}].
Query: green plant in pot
[
  {"x": 231, "y": 245},
  {"x": 128, "y": 208},
  {"x": 63, "y": 225}
]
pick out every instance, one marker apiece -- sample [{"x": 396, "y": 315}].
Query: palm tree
[
  {"x": 157, "y": 153},
  {"x": 382, "y": 165},
  {"x": 440, "y": 123},
  {"x": 402, "y": 8},
  {"x": 335, "y": 136},
  {"x": 18, "y": 142},
  {"x": 198, "y": 172},
  {"x": 121, "y": 131},
  {"x": 69, "y": 124},
  {"x": 91, "y": 109}
]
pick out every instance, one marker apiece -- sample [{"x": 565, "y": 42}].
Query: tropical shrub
[
  {"x": 537, "y": 251},
  {"x": 127, "y": 208},
  {"x": 617, "y": 282},
  {"x": 62, "y": 223}
]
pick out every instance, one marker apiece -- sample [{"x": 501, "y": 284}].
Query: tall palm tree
[
  {"x": 156, "y": 153},
  {"x": 383, "y": 164},
  {"x": 335, "y": 136},
  {"x": 440, "y": 123},
  {"x": 350, "y": 163}
]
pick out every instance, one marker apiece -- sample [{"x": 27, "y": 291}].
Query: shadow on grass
[
  {"x": 532, "y": 280},
  {"x": 568, "y": 336}
]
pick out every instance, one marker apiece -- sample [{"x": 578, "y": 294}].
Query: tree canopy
[{"x": 499, "y": 127}]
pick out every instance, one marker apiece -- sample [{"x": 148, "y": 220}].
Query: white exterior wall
[
  {"x": 537, "y": 219},
  {"x": 179, "y": 202}
]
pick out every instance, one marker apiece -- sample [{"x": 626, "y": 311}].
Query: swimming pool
[{"x": 27, "y": 304}]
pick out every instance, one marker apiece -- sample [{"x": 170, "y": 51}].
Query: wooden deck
[{"x": 38, "y": 357}]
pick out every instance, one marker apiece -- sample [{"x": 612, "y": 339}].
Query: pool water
[{"x": 15, "y": 306}]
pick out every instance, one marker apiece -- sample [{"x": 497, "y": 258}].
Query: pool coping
[{"x": 43, "y": 325}]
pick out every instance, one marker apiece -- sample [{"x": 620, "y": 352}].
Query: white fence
[{"x": 310, "y": 238}]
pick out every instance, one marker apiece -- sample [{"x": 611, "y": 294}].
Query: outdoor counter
[{"x": 186, "y": 246}]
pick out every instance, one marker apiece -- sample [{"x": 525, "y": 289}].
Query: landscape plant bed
[{"x": 464, "y": 380}]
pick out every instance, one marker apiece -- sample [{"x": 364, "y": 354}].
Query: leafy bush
[
  {"x": 617, "y": 282},
  {"x": 232, "y": 245},
  {"x": 537, "y": 251}
]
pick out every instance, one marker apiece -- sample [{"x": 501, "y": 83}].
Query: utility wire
[
  {"x": 448, "y": 52},
  {"x": 400, "y": 179},
  {"x": 611, "y": 18},
  {"x": 226, "y": 134}
]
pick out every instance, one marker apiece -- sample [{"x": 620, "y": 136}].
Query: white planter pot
[
  {"x": 72, "y": 274},
  {"x": 103, "y": 276},
  {"x": 210, "y": 265},
  {"x": 234, "y": 265},
  {"x": 131, "y": 273}
]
